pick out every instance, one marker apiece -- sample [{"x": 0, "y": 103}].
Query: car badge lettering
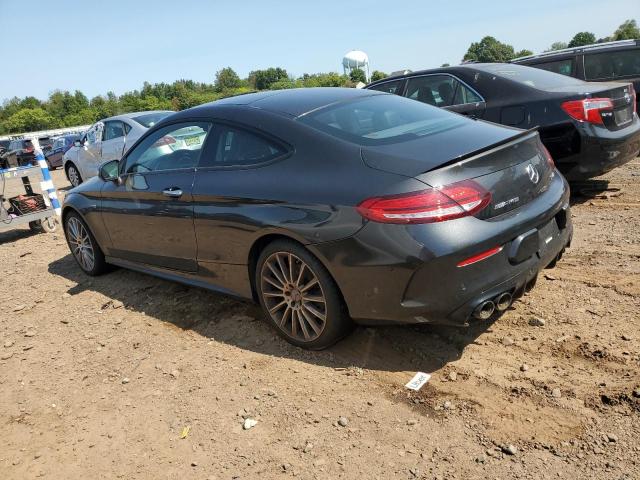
[{"x": 534, "y": 176}]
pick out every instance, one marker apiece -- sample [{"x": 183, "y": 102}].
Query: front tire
[
  {"x": 299, "y": 297},
  {"x": 47, "y": 225},
  {"x": 73, "y": 174},
  {"x": 83, "y": 246}
]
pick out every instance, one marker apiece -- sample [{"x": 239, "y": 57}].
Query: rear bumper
[
  {"x": 409, "y": 274},
  {"x": 601, "y": 151}
]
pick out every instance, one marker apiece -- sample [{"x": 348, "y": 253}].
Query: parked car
[
  {"x": 46, "y": 144},
  {"x": 107, "y": 139},
  {"x": 589, "y": 128},
  {"x": 19, "y": 153},
  {"x": 4, "y": 144},
  {"x": 328, "y": 204},
  {"x": 600, "y": 62},
  {"x": 59, "y": 147}
]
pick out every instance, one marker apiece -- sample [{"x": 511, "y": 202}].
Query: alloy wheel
[
  {"x": 293, "y": 296},
  {"x": 80, "y": 244},
  {"x": 74, "y": 176}
]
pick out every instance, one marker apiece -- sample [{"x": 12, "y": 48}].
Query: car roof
[
  {"x": 584, "y": 48},
  {"x": 132, "y": 115},
  {"x": 417, "y": 73},
  {"x": 292, "y": 102}
]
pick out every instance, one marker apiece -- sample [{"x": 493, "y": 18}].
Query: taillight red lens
[
  {"x": 587, "y": 110},
  {"x": 427, "y": 206}
]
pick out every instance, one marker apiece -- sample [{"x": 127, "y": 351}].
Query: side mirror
[
  {"x": 77, "y": 143},
  {"x": 109, "y": 172}
]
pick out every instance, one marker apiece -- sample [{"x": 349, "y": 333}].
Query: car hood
[{"x": 413, "y": 157}]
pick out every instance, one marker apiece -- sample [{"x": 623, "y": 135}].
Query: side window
[
  {"x": 388, "y": 87},
  {"x": 172, "y": 147},
  {"x": 563, "y": 67},
  {"x": 436, "y": 90},
  {"x": 612, "y": 65},
  {"x": 465, "y": 95},
  {"x": 113, "y": 130},
  {"x": 237, "y": 147},
  {"x": 127, "y": 128}
]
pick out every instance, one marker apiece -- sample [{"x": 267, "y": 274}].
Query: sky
[{"x": 115, "y": 46}]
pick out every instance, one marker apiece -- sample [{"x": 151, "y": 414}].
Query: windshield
[
  {"x": 382, "y": 119},
  {"x": 532, "y": 77},
  {"x": 148, "y": 120}
]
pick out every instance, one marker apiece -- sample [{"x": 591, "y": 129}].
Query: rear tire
[
  {"x": 84, "y": 248},
  {"x": 299, "y": 297}
]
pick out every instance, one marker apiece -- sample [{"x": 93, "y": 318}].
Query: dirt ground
[{"x": 128, "y": 376}]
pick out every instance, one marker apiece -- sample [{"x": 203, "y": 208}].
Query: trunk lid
[{"x": 514, "y": 170}]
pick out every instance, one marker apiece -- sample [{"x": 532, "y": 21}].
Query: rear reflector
[
  {"x": 456, "y": 200},
  {"x": 587, "y": 110},
  {"x": 480, "y": 257}
]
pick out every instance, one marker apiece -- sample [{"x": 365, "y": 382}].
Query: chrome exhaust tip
[
  {"x": 484, "y": 310},
  {"x": 503, "y": 301}
]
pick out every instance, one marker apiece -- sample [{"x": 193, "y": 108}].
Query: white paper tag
[{"x": 418, "y": 380}]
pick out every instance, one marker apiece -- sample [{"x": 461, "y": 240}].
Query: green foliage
[
  {"x": 358, "y": 75},
  {"x": 627, "y": 31},
  {"x": 378, "y": 75},
  {"x": 523, "y": 53},
  {"x": 445, "y": 65},
  {"x": 557, "y": 46},
  {"x": 263, "y": 79},
  {"x": 227, "y": 79},
  {"x": 582, "y": 38},
  {"x": 28, "y": 119},
  {"x": 489, "y": 50}
]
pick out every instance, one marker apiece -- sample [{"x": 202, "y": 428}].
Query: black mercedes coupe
[{"x": 329, "y": 206}]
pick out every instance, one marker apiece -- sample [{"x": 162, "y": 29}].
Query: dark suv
[{"x": 601, "y": 62}]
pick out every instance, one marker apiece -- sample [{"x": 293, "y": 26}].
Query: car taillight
[
  {"x": 587, "y": 110},
  {"x": 28, "y": 150},
  {"x": 166, "y": 140},
  {"x": 633, "y": 98},
  {"x": 427, "y": 206}
]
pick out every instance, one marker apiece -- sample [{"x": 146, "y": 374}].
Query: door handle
[{"x": 173, "y": 192}]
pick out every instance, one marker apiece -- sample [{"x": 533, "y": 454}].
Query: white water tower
[{"x": 356, "y": 59}]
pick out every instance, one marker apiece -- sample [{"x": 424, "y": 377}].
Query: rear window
[
  {"x": 532, "y": 77},
  {"x": 148, "y": 120},
  {"x": 611, "y": 65},
  {"x": 382, "y": 119}
]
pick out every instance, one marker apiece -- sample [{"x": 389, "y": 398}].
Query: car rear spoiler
[{"x": 489, "y": 148}]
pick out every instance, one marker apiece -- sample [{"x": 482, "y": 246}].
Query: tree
[
  {"x": 227, "y": 79},
  {"x": 582, "y": 38},
  {"x": 358, "y": 75},
  {"x": 262, "y": 79},
  {"x": 523, "y": 53},
  {"x": 557, "y": 46},
  {"x": 28, "y": 119},
  {"x": 445, "y": 65},
  {"x": 627, "y": 31},
  {"x": 489, "y": 50},
  {"x": 378, "y": 75}
]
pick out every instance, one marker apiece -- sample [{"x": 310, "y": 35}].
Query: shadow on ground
[
  {"x": 20, "y": 232},
  {"x": 587, "y": 190},
  {"x": 403, "y": 348}
]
